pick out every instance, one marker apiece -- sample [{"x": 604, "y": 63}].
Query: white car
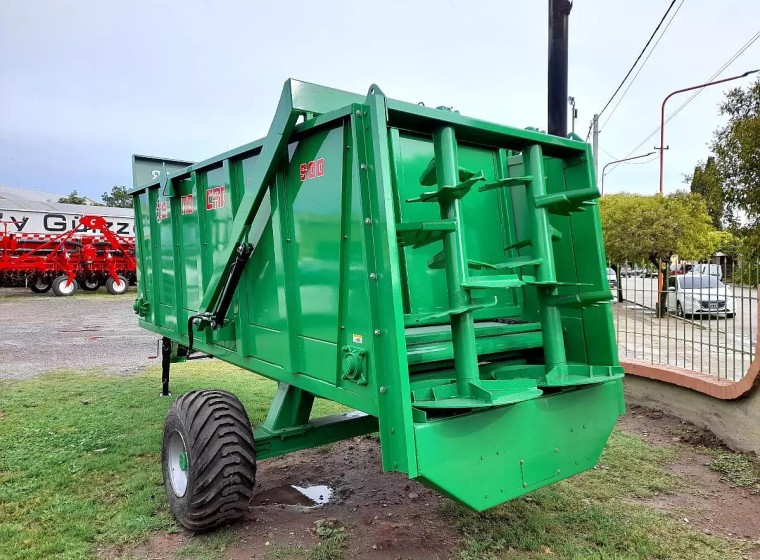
[
  {"x": 612, "y": 279},
  {"x": 699, "y": 294},
  {"x": 709, "y": 269}
]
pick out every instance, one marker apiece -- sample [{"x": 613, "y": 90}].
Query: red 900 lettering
[{"x": 312, "y": 170}]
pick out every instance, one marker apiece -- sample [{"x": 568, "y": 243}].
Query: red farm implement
[{"x": 86, "y": 256}]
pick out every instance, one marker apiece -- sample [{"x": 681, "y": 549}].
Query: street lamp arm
[
  {"x": 671, "y": 94},
  {"x": 604, "y": 169}
]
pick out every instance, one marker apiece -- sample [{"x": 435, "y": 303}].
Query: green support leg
[
  {"x": 455, "y": 259},
  {"x": 287, "y": 427},
  {"x": 546, "y": 275},
  {"x": 290, "y": 409}
]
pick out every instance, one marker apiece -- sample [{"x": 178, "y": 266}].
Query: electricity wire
[
  {"x": 656, "y": 29},
  {"x": 636, "y": 75},
  {"x": 720, "y": 70}
]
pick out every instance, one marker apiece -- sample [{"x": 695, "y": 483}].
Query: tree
[
  {"x": 119, "y": 197},
  {"x": 706, "y": 182},
  {"x": 640, "y": 228},
  {"x": 637, "y": 228},
  {"x": 73, "y": 198},
  {"x": 736, "y": 147}
]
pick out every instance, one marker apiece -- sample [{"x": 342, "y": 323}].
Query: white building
[{"x": 32, "y": 211}]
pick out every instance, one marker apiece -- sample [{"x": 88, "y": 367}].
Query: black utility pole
[{"x": 559, "y": 14}]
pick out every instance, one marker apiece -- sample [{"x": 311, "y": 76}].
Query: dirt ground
[
  {"x": 389, "y": 516},
  {"x": 386, "y": 515},
  {"x": 707, "y": 500}
]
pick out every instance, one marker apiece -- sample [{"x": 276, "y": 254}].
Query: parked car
[
  {"x": 708, "y": 269},
  {"x": 612, "y": 279},
  {"x": 683, "y": 268},
  {"x": 643, "y": 272},
  {"x": 699, "y": 294}
]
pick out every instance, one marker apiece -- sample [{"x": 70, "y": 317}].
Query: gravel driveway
[{"x": 88, "y": 332}]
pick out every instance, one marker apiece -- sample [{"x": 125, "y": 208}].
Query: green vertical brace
[
  {"x": 541, "y": 241},
  {"x": 455, "y": 259},
  {"x": 290, "y": 408},
  {"x": 143, "y": 290},
  {"x": 178, "y": 262},
  {"x": 390, "y": 368},
  {"x": 154, "y": 195}
]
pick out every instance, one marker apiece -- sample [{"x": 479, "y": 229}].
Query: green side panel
[
  {"x": 265, "y": 330},
  {"x": 162, "y": 233},
  {"x": 485, "y": 458},
  {"x": 216, "y": 210},
  {"x": 192, "y": 246},
  {"x": 315, "y": 201},
  {"x": 267, "y": 314}
]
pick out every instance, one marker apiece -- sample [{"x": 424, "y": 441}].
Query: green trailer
[{"x": 442, "y": 276}]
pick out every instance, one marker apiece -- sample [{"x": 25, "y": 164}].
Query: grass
[
  {"x": 738, "y": 469},
  {"x": 332, "y": 536},
  {"x": 206, "y": 547},
  {"x": 597, "y": 515},
  {"x": 80, "y": 456},
  {"x": 80, "y": 472}
]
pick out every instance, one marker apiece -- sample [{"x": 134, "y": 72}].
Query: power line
[
  {"x": 636, "y": 75},
  {"x": 720, "y": 70},
  {"x": 665, "y": 15}
]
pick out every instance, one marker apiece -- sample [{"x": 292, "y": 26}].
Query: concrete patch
[{"x": 736, "y": 422}]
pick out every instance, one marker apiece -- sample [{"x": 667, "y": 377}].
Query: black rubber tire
[
  {"x": 40, "y": 286},
  {"x": 90, "y": 285},
  {"x": 679, "y": 310},
  {"x": 60, "y": 289},
  {"x": 117, "y": 289},
  {"x": 220, "y": 459}
]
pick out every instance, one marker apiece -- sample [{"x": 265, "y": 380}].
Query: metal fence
[{"x": 709, "y": 324}]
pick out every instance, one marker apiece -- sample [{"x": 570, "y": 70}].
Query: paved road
[
  {"x": 643, "y": 291},
  {"x": 86, "y": 332},
  {"x": 717, "y": 346},
  {"x": 99, "y": 332}
]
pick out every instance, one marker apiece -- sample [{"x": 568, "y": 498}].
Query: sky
[{"x": 85, "y": 84}]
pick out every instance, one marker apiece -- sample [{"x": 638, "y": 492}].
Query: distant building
[{"x": 32, "y": 211}]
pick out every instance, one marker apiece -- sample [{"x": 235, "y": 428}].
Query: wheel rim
[
  {"x": 679, "y": 310},
  {"x": 66, "y": 288},
  {"x": 91, "y": 284},
  {"x": 178, "y": 464},
  {"x": 120, "y": 286},
  {"x": 41, "y": 284}
]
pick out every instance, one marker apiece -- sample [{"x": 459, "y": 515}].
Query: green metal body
[{"x": 442, "y": 275}]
